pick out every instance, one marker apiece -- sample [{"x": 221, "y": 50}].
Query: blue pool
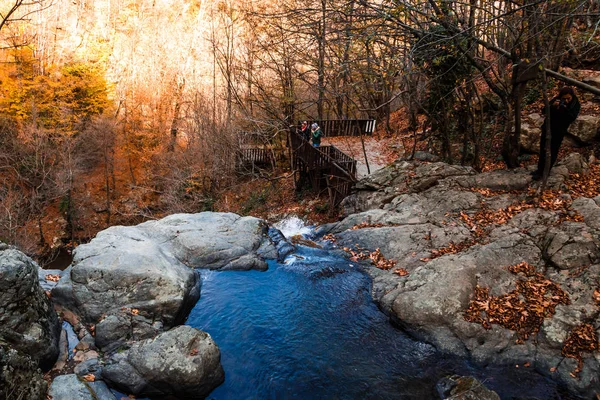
[{"x": 308, "y": 329}]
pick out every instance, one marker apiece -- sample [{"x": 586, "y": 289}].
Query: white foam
[{"x": 292, "y": 226}]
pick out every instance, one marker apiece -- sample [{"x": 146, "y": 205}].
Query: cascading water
[
  {"x": 308, "y": 329},
  {"x": 293, "y": 226}
]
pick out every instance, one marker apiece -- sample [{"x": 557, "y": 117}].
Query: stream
[{"x": 308, "y": 329}]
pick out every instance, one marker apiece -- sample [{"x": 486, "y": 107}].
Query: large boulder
[
  {"x": 214, "y": 240},
  {"x": 452, "y": 238},
  {"x": 183, "y": 362},
  {"x": 20, "y": 376},
  {"x": 135, "y": 282},
  {"x": 585, "y": 128},
  {"x": 123, "y": 273},
  {"x": 28, "y": 322}
]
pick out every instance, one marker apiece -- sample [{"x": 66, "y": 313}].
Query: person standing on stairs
[{"x": 316, "y": 134}]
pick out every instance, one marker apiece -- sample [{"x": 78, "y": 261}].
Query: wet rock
[
  {"x": 464, "y": 388},
  {"x": 72, "y": 387},
  {"x": 89, "y": 367},
  {"x": 327, "y": 272},
  {"x": 20, "y": 376},
  {"x": 284, "y": 248},
  {"x": 28, "y": 322},
  {"x": 183, "y": 362}
]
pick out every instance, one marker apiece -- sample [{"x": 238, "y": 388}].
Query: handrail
[{"x": 299, "y": 145}]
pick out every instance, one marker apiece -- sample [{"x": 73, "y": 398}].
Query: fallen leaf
[{"x": 89, "y": 377}]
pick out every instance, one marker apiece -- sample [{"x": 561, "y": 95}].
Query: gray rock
[
  {"x": 536, "y": 119},
  {"x": 585, "y": 128},
  {"x": 530, "y": 137},
  {"x": 406, "y": 244},
  {"x": 590, "y": 211},
  {"x": 72, "y": 387},
  {"x": 91, "y": 366},
  {"x": 121, "y": 327},
  {"x": 464, "y": 388},
  {"x": 571, "y": 245},
  {"x": 376, "y": 216},
  {"x": 45, "y": 283},
  {"x": 420, "y": 208},
  {"x": 183, "y": 362},
  {"x": 20, "y": 376},
  {"x": 122, "y": 268},
  {"x": 388, "y": 176},
  {"x": 28, "y": 322},
  {"x": 535, "y": 222},
  {"x": 517, "y": 179},
  {"x": 433, "y": 311},
  {"x": 212, "y": 240},
  {"x": 575, "y": 164},
  {"x": 134, "y": 282},
  {"x": 424, "y": 156}
]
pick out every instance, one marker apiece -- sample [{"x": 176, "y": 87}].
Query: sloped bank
[{"x": 454, "y": 234}]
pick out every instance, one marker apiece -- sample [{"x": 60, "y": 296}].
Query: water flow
[
  {"x": 308, "y": 329},
  {"x": 293, "y": 226}
]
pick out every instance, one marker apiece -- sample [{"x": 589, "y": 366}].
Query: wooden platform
[
  {"x": 322, "y": 168},
  {"x": 345, "y": 127}
]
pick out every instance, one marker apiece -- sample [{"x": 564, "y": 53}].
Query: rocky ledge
[
  {"x": 131, "y": 283},
  {"x": 472, "y": 264},
  {"x": 125, "y": 294}
]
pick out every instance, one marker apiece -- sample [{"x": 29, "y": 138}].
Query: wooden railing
[
  {"x": 255, "y": 157},
  {"x": 345, "y": 127},
  {"x": 325, "y": 167}
]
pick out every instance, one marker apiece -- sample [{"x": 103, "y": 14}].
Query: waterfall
[{"x": 292, "y": 226}]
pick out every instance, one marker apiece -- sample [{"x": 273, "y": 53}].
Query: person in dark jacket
[
  {"x": 305, "y": 131},
  {"x": 564, "y": 109},
  {"x": 316, "y": 135}
]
